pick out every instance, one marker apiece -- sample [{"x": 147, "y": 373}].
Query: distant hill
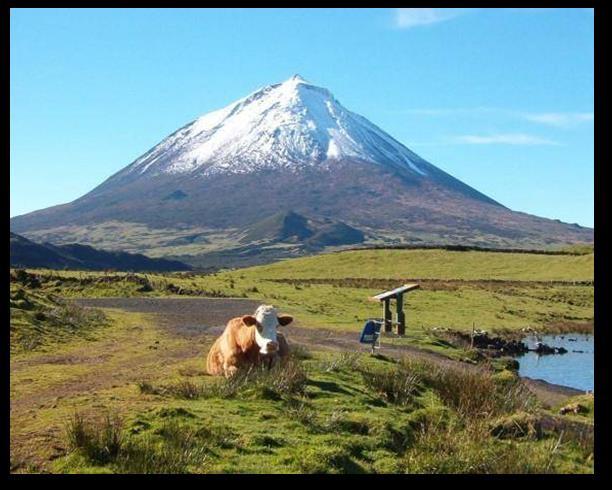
[
  {"x": 291, "y": 227},
  {"x": 26, "y": 253}
]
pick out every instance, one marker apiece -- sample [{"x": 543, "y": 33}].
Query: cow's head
[{"x": 266, "y": 320}]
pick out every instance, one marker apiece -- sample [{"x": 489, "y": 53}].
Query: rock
[
  {"x": 575, "y": 408},
  {"x": 543, "y": 349},
  {"x": 492, "y": 346},
  {"x": 512, "y": 365}
]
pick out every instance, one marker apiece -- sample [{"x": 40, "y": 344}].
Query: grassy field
[
  {"x": 433, "y": 264},
  {"x": 131, "y": 398},
  {"x": 112, "y": 391},
  {"x": 493, "y": 291}
]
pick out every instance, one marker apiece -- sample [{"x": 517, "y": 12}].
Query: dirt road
[{"x": 206, "y": 317}]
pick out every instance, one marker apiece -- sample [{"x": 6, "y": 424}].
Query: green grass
[
  {"x": 39, "y": 319},
  {"x": 522, "y": 300},
  {"x": 493, "y": 291},
  {"x": 344, "y": 422},
  {"x": 88, "y": 373},
  {"x": 132, "y": 398},
  {"x": 438, "y": 264}
]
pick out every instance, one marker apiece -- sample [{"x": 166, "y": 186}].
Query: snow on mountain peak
[{"x": 285, "y": 125}]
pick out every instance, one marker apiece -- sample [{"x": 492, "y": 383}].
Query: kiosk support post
[
  {"x": 387, "y": 316},
  {"x": 401, "y": 317}
]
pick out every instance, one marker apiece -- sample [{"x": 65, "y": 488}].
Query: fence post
[{"x": 472, "y": 343}]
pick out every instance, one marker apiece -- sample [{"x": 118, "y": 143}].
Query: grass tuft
[
  {"x": 101, "y": 441},
  {"x": 346, "y": 360},
  {"x": 284, "y": 379},
  {"x": 476, "y": 392},
  {"x": 468, "y": 448},
  {"x": 396, "y": 385}
]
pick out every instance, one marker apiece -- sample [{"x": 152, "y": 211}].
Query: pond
[{"x": 574, "y": 369}]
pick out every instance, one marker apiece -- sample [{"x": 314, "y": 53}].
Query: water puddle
[{"x": 574, "y": 369}]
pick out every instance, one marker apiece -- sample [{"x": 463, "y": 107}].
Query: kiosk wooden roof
[{"x": 394, "y": 293}]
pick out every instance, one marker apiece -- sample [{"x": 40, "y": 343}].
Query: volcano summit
[{"x": 236, "y": 181}]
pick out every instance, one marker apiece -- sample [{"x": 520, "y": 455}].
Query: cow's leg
[
  {"x": 230, "y": 371},
  {"x": 230, "y": 366}
]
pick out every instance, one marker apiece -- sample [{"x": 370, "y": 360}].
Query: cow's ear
[
  {"x": 249, "y": 320},
  {"x": 284, "y": 320}
]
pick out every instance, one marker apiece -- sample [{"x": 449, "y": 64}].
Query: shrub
[
  {"x": 346, "y": 360},
  {"x": 147, "y": 388},
  {"x": 392, "y": 438},
  {"x": 469, "y": 449},
  {"x": 99, "y": 441},
  {"x": 396, "y": 385},
  {"x": 76, "y": 432},
  {"x": 475, "y": 392},
  {"x": 148, "y": 456},
  {"x": 186, "y": 390},
  {"x": 430, "y": 418},
  {"x": 176, "y": 448},
  {"x": 221, "y": 436},
  {"x": 75, "y": 317},
  {"x": 286, "y": 378},
  {"x": 339, "y": 422},
  {"x": 517, "y": 425},
  {"x": 300, "y": 411},
  {"x": 300, "y": 352},
  {"x": 166, "y": 412}
]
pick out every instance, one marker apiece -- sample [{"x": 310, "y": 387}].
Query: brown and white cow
[{"x": 249, "y": 340}]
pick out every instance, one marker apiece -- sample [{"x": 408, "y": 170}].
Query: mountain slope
[
  {"x": 290, "y": 147},
  {"x": 25, "y": 253}
]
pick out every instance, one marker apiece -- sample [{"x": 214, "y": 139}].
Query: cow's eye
[{"x": 259, "y": 327}]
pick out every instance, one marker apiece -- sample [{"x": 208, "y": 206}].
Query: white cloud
[
  {"x": 560, "y": 119},
  {"x": 556, "y": 119},
  {"x": 411, "y": 17},
  {"x": 503, "y": 139}
]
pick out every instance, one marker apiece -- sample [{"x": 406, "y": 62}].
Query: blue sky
[{"x": 502, "y": 99}]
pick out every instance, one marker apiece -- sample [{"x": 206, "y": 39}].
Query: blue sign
[{"x": 371, "y": 332}]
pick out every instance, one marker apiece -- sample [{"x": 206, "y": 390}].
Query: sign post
[{"x": 371, "y": 334}]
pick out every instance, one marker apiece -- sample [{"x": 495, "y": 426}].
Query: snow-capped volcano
[
  {"x": 282, "y": 125},
  {"x": 282, "y": 171}
]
